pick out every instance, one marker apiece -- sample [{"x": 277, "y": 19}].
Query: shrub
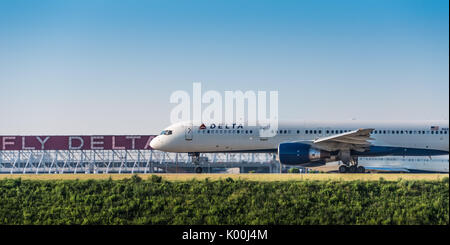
[
  {"x": 294, "y": 170},
  {"x": 235, "y": 202},
  {"x": 156, "y": 179}
]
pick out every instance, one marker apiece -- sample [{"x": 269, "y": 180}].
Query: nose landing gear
[
  {"x": 196, "y": 160},
  {"x": 198, "y": 170}
]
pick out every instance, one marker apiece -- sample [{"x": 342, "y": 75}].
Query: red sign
[{"x": 93, "y": 142}]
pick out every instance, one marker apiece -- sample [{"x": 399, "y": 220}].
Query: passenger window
[
  {"x": 320, "y": 131},
  {"x": 315, "y": 132},
  {"x": 285, "y": 131},
  {"x": 298, "y": 131},
  {"x": 306, "y": 131}
]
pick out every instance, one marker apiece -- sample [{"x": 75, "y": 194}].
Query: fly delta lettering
[{"x": 94, "y": 142}]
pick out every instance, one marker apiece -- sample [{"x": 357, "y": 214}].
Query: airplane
[{"x": 311, "y": 143}]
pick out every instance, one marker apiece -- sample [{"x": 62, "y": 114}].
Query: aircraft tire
[
  {"x": 361, "y": 169},
  {"x": 353, "y": 169},
  {"x": 343, "y": 169},
  {"x": 198, "y": 170}
]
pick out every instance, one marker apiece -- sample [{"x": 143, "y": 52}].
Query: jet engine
[{"x": 300, "y": 153}]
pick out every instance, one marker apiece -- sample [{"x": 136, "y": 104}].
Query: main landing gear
[
  {"x": 351, "y": 166},
  {"x": 351, "y": 169}
]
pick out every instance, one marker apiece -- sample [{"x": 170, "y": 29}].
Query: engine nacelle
[{"x": 299, "y": 153}]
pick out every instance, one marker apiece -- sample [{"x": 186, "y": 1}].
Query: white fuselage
[{"x": 424, "y": 137}]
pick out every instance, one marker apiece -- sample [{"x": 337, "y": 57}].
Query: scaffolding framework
[{"x": 122, "y": 161}]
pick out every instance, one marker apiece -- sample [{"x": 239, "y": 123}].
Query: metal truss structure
[{"x": 123, "y": 161}]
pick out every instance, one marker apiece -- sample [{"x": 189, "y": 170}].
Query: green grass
[
  {"x": 225, "y": 201},
  {"x": 249, "y": 177}
]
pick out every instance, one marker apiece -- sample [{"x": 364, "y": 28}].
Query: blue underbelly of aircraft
[
  {"x": 399, "y": 151},
  {"x": 373, "y": 151}
]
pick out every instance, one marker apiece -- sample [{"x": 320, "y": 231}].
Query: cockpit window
[{"x": 166, "y": 132}]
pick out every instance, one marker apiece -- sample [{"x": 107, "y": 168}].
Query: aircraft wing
[{"x": 357, "y": 140}]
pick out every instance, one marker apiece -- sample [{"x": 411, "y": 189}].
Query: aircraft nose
[{"x": 155, "y": 143}]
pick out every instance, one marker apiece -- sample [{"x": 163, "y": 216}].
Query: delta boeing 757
[{"x": 311, "y": 143}]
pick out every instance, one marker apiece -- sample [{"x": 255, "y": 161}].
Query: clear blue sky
[{"x": 109, "y": 67}]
